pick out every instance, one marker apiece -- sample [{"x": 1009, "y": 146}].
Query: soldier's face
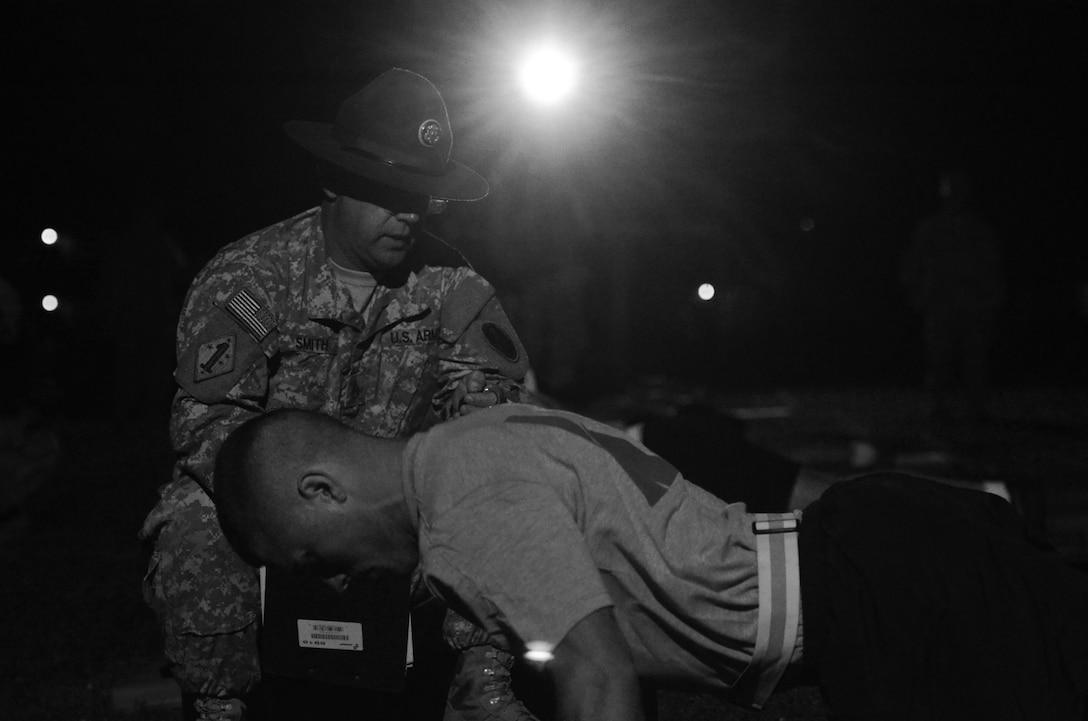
[
  {"x": 368, "y": 236},
  {"x": 337, "y": 542}
]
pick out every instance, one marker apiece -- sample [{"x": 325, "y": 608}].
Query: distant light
[
  {"x": 863, "y": 454},
  {"x": 807, "y": 224},
  {"x": 548, "y": 74},
  {"x": 49, "y": 236},
  {"x": 50, "y": 303},
  {"x": 706, "y": 291},
  {"x": 539, "y": 651}
]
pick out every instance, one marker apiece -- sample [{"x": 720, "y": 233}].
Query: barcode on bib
[{"x": 336, "y": 635}]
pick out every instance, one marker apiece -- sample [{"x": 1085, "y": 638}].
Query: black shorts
[{"x": 924, "y": 601}]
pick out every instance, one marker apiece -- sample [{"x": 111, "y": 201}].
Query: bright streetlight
[{"x": 548, "y": 74}]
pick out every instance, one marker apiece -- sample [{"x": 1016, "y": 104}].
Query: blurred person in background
[{"x": 953, "y": 277}]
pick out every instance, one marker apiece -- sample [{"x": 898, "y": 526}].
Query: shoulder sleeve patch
[
  {"x": 213, "y": 363},
  {"x": 214, "y": 358},
  {"x": 501, "y": 341},
  {"x": 492, "y": 341}
]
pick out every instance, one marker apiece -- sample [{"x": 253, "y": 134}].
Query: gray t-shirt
[{"x": 531, "y": 519}]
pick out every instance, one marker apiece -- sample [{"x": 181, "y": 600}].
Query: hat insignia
[{"x": 430, "y": 132}]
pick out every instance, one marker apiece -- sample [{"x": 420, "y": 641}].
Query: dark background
[{"x": 781, "y": 151}]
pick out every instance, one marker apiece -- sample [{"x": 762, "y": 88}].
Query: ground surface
[{"x": 76, "y": 637}]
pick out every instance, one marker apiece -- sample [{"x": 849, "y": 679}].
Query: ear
[
  {"x": 319, "y": 485},
  {"x": 329, "y": 195}
]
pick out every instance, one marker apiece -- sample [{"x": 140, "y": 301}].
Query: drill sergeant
[{"x": 349, "y": 308}]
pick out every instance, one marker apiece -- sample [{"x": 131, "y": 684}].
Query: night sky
[{"x": 780, "y": 151}]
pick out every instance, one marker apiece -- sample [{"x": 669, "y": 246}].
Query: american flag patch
[{"x": 257, "y": 321}]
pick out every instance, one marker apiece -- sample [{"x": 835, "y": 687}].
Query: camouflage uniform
[{"x": 265, "y": 326}]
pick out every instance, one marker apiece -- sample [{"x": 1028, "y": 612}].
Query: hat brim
[{"x": 459, "y": 182}]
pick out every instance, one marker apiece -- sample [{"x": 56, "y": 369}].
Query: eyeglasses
[
  {"x": 399, "y": 201},
  {"x": 391, "y": 199}
]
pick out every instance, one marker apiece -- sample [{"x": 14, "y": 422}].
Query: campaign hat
[{"x": 394, "y": 132}]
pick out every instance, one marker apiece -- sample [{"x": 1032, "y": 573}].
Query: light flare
[
  {"x": 548, "y": 74},
  {"x": 539, "y": 652}
]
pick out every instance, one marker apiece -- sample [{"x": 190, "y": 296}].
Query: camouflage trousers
[{"x": 206, "y": 598}]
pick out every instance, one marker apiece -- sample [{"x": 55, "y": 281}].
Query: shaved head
[
  {"x": 258, "y": 463},
  {"x": 300, "y": 489}
]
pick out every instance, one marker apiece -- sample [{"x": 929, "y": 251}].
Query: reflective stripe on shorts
[{"x": 779, "y": 599}]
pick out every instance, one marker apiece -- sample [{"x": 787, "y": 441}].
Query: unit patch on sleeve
[
  {"x": 212, "y": 362},
  {"x": 501, "y": 341},
  {"x": 214, "y": 358}
]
